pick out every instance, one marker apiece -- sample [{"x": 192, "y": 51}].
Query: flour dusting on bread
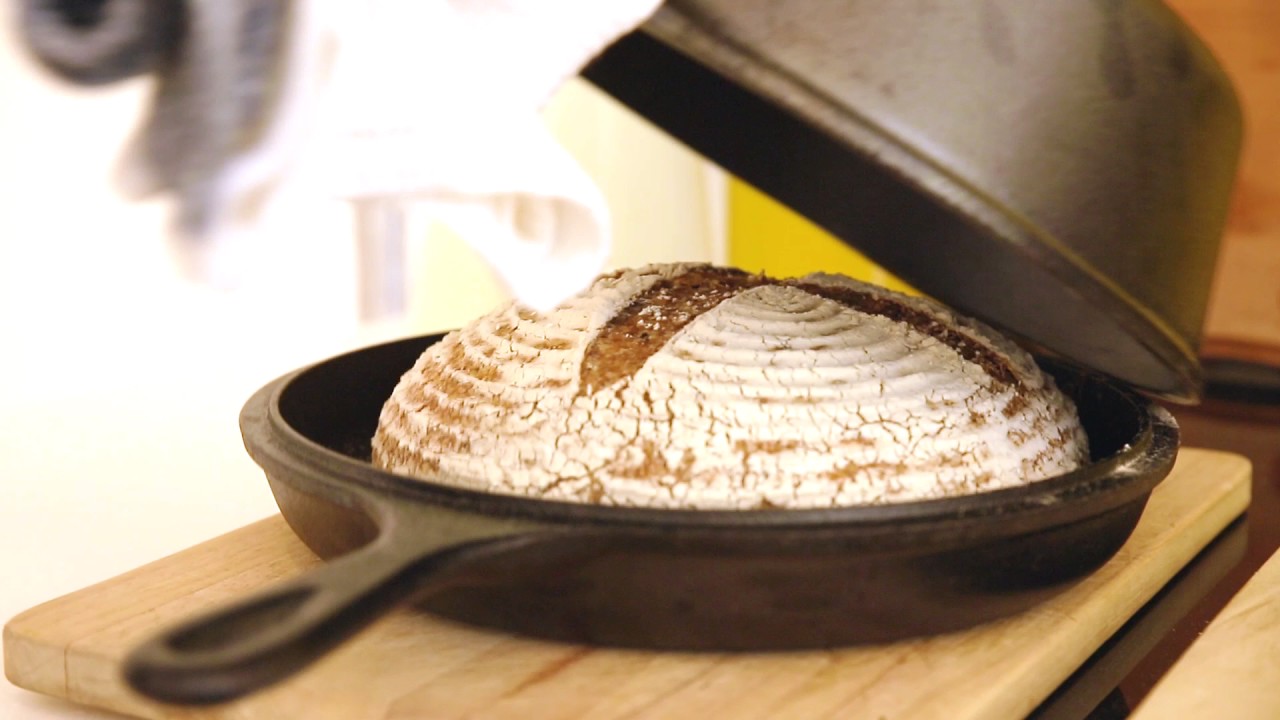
[{"x": 692, "y": 386}]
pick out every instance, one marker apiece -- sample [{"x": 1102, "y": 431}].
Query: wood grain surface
[
  {"x": 1233, "y": 670},
  {"x": 410, "y": 665},
  {"x": 1243, "y": 321}
]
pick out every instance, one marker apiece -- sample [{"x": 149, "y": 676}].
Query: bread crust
[{"x": 691, "y": 386}]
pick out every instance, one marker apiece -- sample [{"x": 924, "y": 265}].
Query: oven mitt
[
  {"x": 234, "y": 82},
  {"x": 452, "y": 124},
  {"x": 225, "y": 122},
  {"x": 93, "y": 42},
  {"x": 423, "y": 105}
]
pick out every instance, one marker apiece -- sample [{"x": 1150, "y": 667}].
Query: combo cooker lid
[{"x": 1059, "y": 169}]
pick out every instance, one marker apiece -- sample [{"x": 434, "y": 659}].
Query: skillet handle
[{"x": 260, "y": 640}]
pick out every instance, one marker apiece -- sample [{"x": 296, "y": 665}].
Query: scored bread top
[{"x": 692, "y": 386}]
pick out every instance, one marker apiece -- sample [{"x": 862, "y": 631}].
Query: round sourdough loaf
[{"x": 692, "y": 386}]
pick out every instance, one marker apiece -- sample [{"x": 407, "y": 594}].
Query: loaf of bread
[{"x": 693, "y": 386}]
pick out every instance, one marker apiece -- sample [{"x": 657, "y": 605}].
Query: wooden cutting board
[
  {"x": 1233, "y": 670},
  {"x": 410, "y": 665}
]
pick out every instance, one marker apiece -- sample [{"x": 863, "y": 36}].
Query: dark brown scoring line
[{"x": 652, "y": 317}]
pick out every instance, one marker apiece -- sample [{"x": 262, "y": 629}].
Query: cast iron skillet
[{"x": 693, "y": 580}]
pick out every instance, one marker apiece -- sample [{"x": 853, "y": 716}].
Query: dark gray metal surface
[
  {"x": 631, "y": 576},
  {"x": 1061, "y": 168}
]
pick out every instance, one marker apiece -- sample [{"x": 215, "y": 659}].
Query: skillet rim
[{"x": 274, "y": 443}]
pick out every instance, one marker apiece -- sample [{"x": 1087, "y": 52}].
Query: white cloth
[
  {"x": 428, "y": 104},
  {"x": 438, "y": 101}
]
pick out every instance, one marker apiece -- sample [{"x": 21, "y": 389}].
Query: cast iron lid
[{"x": 1061, "y": 169}]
